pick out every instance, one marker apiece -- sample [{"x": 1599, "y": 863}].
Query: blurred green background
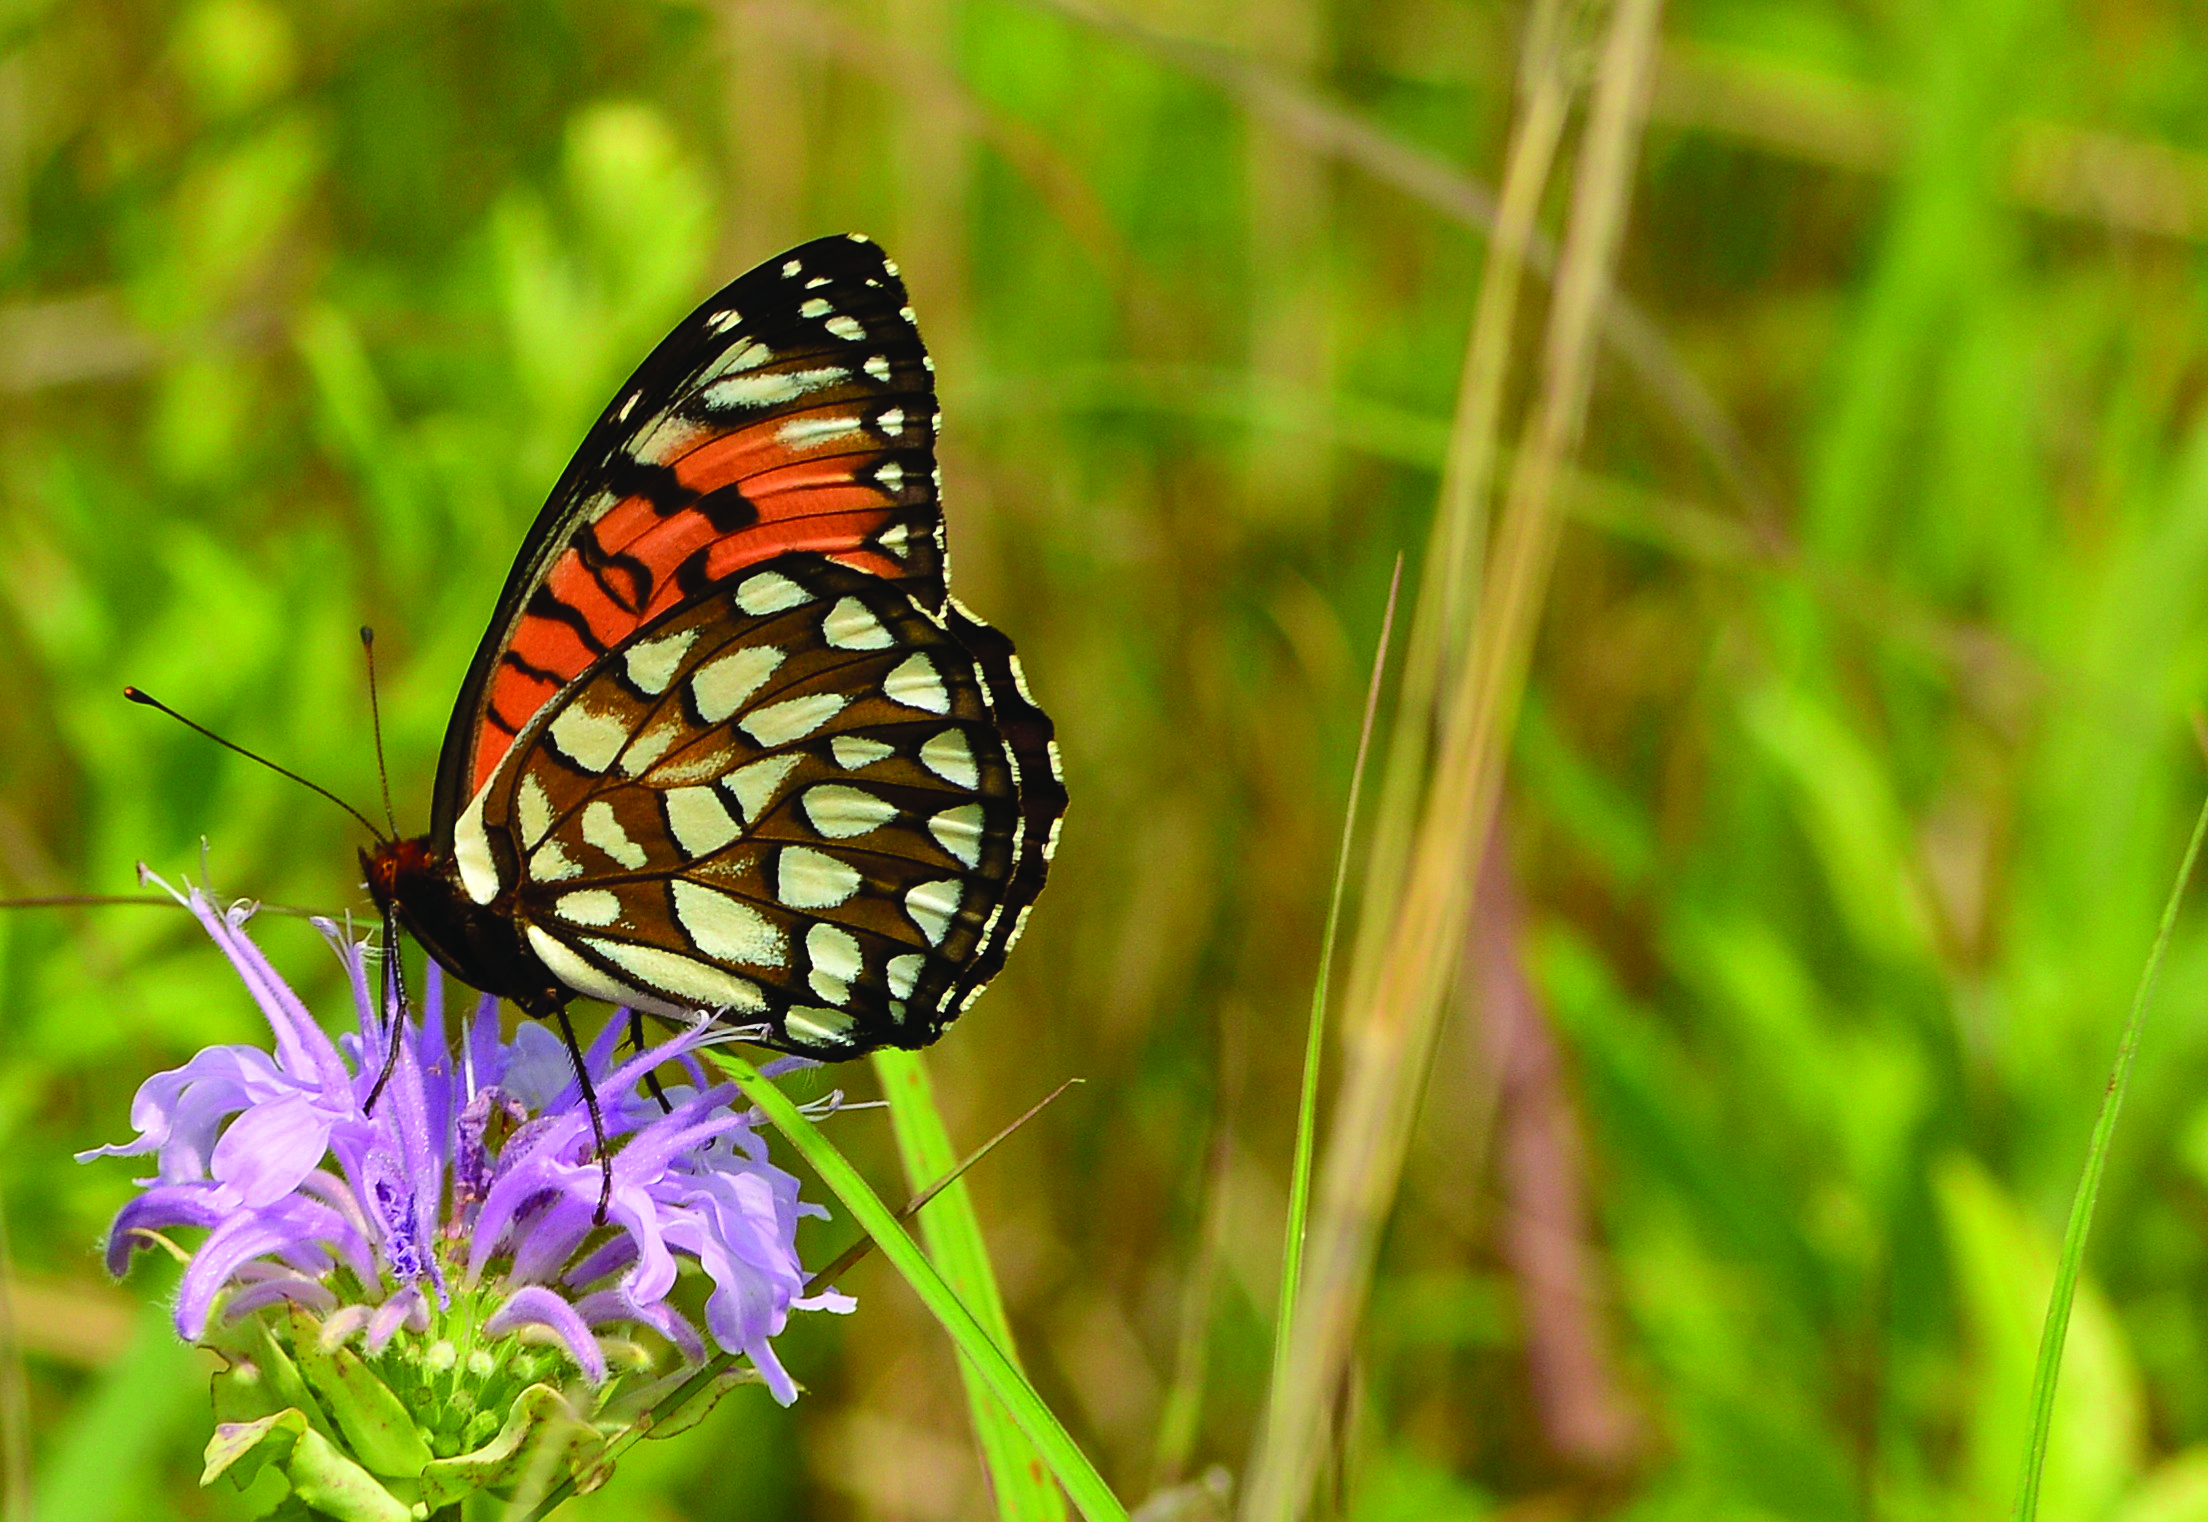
[{"x": 1855, "y": 766}]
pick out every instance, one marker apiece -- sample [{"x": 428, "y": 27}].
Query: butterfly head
[{"x": 417, "y": 885}]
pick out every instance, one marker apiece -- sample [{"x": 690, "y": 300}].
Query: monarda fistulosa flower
[{"x": 418, "y": 1301}]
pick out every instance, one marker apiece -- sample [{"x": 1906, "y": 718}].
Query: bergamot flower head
[{"x": 446, "y": 1240}]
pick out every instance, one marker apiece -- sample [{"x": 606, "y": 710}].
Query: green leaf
[
  {"x": 1023, "y": 1488},
  {"x": 244, "y": 1447},
  {"x": 379, "y": 1430},
  {"x": 329, "y": 1482},
  {"x": 1083, "y": 1484},
  {"x": 542, "y": 1434}
]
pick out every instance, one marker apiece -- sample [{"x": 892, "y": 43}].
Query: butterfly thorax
[{"x": 476, "y": 943}]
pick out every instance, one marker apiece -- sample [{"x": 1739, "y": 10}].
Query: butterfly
[{"x": 729, "y": 745}]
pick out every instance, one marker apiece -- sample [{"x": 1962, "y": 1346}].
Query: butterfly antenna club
[{"x": 146, "y": 699}]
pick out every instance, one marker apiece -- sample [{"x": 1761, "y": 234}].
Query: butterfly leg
[
  {"x": 597, "y": 1119},
  {"x": 394, "y": 1005},
  {"x": 651, "y": 1080}
]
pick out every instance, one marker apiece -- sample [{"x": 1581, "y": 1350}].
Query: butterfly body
[{"x": 729, "y": 745}]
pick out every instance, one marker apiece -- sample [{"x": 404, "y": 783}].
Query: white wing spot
[
  {"x": 891, "y": 423},
  {"x": 891, "y": 266},
  {"x": 851, "y": 626},
  {"x": 769, "y": 593},
  {"x": 791, "y": 269},
  {"x": 878, "y": 367},
  {"x": 817, "y": 282},
  {"x": 890, "y": 477},
  {"x": 684, "y": 977},
  {"x": 845, "y": 328},
  {"x": 771, "y": 388},
  {"x": 653, "y": 664},
  {"x": 842, "y": 812},
  {"x": 699, "y": 821},
  {"x": 917, "y": 684},
  {"x": 906, "y": 312},
  {"x": 856, "y": 753},
  {"x": 904, "y": 973},
  {"x": 819, "y": 306},
  {"x": 950, "y": 755},
  {"x": 597, "y": 907},
  {"x": 748, "y": 355},
  {"x": 728, "y": 929},
  {"x": 725, "y": 684},
  {"x": 792, "y": 718},
  {"x": 931, "y": 906},
  {"x": 754, "y": 787},
  {"x": 799, "y": 433},
  {"x": 834, "y": 952},
  {"x": 929, "y": 361},
  {"x": 897, "y": 538},
  {"x": 809, "y": 879},
  {"x": 628, "y": 405},
  {"x": 958, "y": 831},
  {"x": 723, "y": 320},
  {"x": 588, "y": 738},
  {"x": 603, "y": 830}
]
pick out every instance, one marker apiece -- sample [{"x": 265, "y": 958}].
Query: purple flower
[{"x": 472, "y": 1191}]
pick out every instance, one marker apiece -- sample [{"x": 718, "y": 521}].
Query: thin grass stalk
[
  {"x": 2056, "y": 1328},
  {"x": 1392, "y": 1031},
  {"x": 951, "y": 1231},
  {"x": 1314, "y": 1044},
  {"x": 1086, "y": 1488}
]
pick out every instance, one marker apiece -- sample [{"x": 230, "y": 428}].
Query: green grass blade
[
  {"x": 2057, "y": 1325},
  {"x": 1083, "y": 1484},
  {"x": 1314, "y": 1043},
  {"x": 952, "y": 1233}
]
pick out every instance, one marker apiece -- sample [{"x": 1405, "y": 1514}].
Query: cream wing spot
[
  {"x": 856, "y": 753},
  {"x": 686, "y": 978},
  {"x": 533, "y": 808},
  {"x": 950, "y": 755},
  {"x": 653, "y": 663},
  {"x": 834, "y": 954},
  {"x": 891, "y": 422},
  {"x": 846, "y": 328},
  {"x": 932, "y": 905},
  {"x": 602, "y": 829},
  {"x": 699, "y": 821},
  {"x": 792, "y": 718},
  {"x": 581, "y": 975},
  {"x": 756, "y": 786},
  {"x": 843, "y": 812},
  {"x": 791, "y": 269},
  {"x": 643, "y": 752},
  {"x": 959, "y": 832},
  {"x": 722, "y": 685},
  {"x": 809, "y": 879},
  {"x": 552, "y": 864},
  {"x": 769, "y": 592},
  {"x": 803, "y": 432},
  {"x": 816, "y": 306},
  {"x": 878, "y": 367},
  {"x": 727, "y": 929},
  {"x": 589, "y": 738},
  {"x": 850, "y": 626},
  {"x": 596, "y": 907},
  {"x": 904, "y": 974},
  {"x": 890, "y": 476},
  {"x": 471, "y": 849},
  {"x": 917, "y": 684},
  {"x": 827, "y": 1029}
]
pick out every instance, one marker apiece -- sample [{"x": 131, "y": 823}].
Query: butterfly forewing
[
  {"x": 788, "y": 800},
  {"x": 794, "y": 411}
]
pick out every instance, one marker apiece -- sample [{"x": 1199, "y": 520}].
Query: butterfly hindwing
[
  {"x": 793, "y": 411},
  {"x": 788, "y": 800}
]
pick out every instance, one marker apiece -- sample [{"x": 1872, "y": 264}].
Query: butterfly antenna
[
  {"x": 375, "y": 721},
  {"x": 150, "y": 701}
]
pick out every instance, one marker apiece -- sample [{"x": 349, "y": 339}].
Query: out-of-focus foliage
[{"x": 1850, "y": 782}]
